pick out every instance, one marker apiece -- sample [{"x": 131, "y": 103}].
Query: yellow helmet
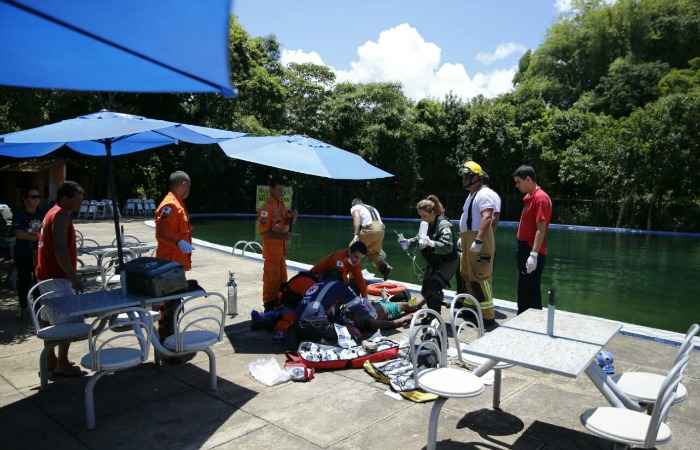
[{"x": 468, "y": 167}]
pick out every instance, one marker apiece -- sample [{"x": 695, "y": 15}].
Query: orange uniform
[
  {"x": 273, "y": 225},
  {"x": 340, "y": 262},
  {"x": 174, "y": 223}
]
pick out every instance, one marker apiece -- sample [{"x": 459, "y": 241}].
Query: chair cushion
[
  {"x": 644, "y": 386},
  {"x": 622, "y": 425},
  {"x": 64, "y": 331},
  {"x": 114, "y": 358},
  {"x": 450, "y": 382},
  {"x": 192, "y": 340}
]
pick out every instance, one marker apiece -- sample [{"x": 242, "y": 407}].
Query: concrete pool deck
[{"x": 170, "y": 407}]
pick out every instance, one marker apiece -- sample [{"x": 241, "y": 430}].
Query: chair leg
[
  {"x": 44, "y": 366},
  {"x": 497, "y": 389},
  {"x": 432, "y": 426},
  {"x": 90, "y": 400},
  {"x": 212, "y": 369}
]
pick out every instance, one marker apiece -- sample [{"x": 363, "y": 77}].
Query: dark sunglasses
[{"x": 34, "y": 196}]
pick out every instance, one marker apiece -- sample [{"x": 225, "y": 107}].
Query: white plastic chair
[
  {"x": 627, "y": 428},
  {"x": 109, "y": 265},
  {"x": 149, "y": 207},
  {"x": 188, "y": 339},
  {"x": 644, "y": 387},
  {"x": 84, "y": 207},
  {"x": 100, "y": 211},
  {"x": 443, "y": 381},
  {"x": 79, "y": 238},
  {"x": 128, "y": 241},
  {"x": 52, "y": 334},
  {"x": 459, "y": 306},
  {"x": 106, "y": 359}
]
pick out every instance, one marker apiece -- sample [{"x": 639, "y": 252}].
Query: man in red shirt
[
  {"x": 57, "y": 259},
  {"x": 532, "y": 238}
]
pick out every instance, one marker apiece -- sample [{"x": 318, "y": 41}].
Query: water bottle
[
  {"x": 550, "y": 312},
  {"x": 423, "y": 229},
  {"x": 232, "y": 295}
]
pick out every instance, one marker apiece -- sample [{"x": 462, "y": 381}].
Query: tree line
[{"x": 606, "y": 109}]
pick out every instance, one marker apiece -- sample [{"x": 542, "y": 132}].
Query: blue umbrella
[
  {"x": 116, "y": 45},
  {"x": 304, "y": 155},
  {"x": 107, "y": 133}
]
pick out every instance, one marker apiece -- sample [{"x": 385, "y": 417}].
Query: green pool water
[{"x": 646, "y": 280}]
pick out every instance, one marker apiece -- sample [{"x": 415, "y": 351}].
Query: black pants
[
  {"x": 435, "y": 279},
  {"x": 25, "y": 277},
  {"x": 529, "y": 293}
]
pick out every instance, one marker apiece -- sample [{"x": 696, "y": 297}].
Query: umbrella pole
[{"x": 115, "y": 205}]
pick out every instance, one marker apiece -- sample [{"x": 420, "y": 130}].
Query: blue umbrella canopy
[
  {"x": 107, "y": 133},
  {"x": 116, "y": 45},
  {"x": 88, "y": 135},
  {"x": 304, "y": 155}
]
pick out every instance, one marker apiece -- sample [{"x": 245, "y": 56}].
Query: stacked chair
[{"x": 428, "y": 336}]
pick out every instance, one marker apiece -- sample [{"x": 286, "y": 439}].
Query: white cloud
[
  {"x": 400, "y": 54},
  {"x": 503, "y": 51},
  {"x": 300, "y": 57}
]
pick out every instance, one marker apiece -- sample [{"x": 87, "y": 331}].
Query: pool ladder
[{"x": 243, "y": 246}]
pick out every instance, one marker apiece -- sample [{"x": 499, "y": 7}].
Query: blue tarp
[
  {"x": 304, "y": 155},
  {"x": 116, "y": 45},
  {"x": 86, "y": 135}
]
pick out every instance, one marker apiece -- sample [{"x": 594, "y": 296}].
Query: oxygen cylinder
[
  {"x": 550, "y": 313},
  {"x": 232, "y": 295}
]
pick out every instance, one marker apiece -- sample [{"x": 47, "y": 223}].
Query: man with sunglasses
[{"x": 27, "y": 223}]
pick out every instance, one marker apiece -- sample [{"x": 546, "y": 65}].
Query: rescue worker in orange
[
  {"x": 174, "y": 236},
  {"x": 345, "y": 265},
  {"x": 274, "y": 220}
]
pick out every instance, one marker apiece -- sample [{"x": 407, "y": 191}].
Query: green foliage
[{"x": 606, "y": 110}]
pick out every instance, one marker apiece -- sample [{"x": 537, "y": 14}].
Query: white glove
[
  {"x": 531, "y": 263},
  {"x": 476, "y": 246},
  {"x": 404, "y": 244},
  {"x": 184, "y": 246},
  {"x": 425, "y": 242}
]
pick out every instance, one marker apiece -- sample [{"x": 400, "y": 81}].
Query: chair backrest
[
  {"x": 127, "y": 240},
  {"x": 688, "y": 344},
  {"x": 109, "y": 264},
  {"x": 215, "y": 313},
  {"x": 34, "y": 301},
  {"x": 465, "y": 304},
  {"x": 137, "y": 327},
  {"x": 79, "y": 239},
  {"x": 664, "y": 400},
  {"x": 427, "y": 333}
]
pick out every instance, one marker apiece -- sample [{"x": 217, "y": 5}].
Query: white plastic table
[
  {"x": 99, "y": 302},
  {"x": 571, "y": 350}
]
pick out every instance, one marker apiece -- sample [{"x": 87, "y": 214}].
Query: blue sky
[{"x": 431, "y": 47}]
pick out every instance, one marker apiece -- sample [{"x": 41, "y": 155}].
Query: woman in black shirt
[{"x": 27, "y": 224}]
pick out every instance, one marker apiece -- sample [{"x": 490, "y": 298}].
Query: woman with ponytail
[{"x": 438, "y": 249}]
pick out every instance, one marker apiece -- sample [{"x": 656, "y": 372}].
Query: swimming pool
[{"x": 646, "y": 280}]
